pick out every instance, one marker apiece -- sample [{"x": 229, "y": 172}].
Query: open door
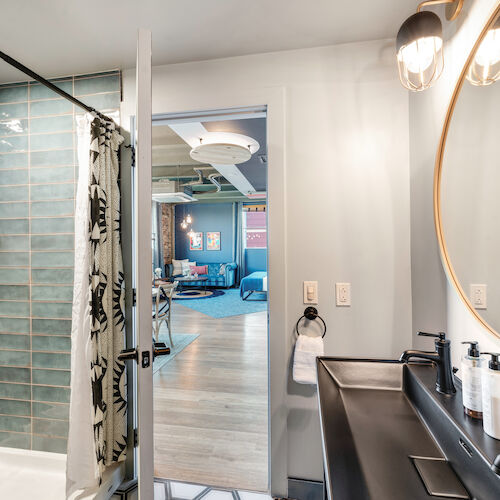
[
  {"x": 142, "y": 272},
  {"x": 142, "y": 350}
]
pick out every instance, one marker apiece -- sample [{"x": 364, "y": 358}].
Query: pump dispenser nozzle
[
  {"x": 473, "y": 351},
  {"x": 493, "y": 363}
]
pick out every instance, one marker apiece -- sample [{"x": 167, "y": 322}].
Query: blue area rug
[
  {"x": 223, "y": 306},
  {"x": 181, "y": 341},
  {"x": 197, "y": 294}
]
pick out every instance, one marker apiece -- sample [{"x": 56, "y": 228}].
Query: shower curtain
[{"x": 97, "y": 433}]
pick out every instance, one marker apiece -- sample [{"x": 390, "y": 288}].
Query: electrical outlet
[
  {"x": 478, "y": 296},
  {"x": 343, "y": 294}
]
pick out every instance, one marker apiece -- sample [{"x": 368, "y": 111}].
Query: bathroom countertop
[{"x": 452, "y": 405}]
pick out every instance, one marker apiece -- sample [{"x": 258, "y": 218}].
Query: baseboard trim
[{"x": 303, "y": 489}]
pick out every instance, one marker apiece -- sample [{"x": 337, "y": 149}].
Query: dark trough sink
[{"x": 379, "y": 422}]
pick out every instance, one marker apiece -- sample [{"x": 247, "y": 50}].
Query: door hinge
[
  {"x": 134, "y": 297},
  {"x": 136, "y": 438}
]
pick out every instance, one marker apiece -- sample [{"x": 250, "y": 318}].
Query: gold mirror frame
[{"x": 437, "y": 178}]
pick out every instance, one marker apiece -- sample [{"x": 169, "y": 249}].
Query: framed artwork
[
  {"x": 213, "y": 241},
  {"x": 196, "y": 241}
]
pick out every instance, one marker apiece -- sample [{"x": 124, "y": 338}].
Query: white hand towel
[{"x": 307, "y": 349}]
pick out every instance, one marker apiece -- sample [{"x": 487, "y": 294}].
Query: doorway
[{"x": 209, "y": 249}]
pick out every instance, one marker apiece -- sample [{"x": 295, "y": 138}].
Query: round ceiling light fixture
[{"x": 224, "y": 148}]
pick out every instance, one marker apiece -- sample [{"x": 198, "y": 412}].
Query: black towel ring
[{"x": 311, "y": 313}]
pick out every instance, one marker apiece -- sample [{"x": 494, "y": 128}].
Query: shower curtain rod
[{"x": 48, "y": 84}]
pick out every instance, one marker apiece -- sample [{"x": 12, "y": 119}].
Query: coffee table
[{"x": 187, "y": 279}]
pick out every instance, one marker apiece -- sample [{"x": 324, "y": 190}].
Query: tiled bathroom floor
[{"x": 174, "y": 490}]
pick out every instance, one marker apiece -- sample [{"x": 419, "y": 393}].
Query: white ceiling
[{"x": 62, "y": 37}]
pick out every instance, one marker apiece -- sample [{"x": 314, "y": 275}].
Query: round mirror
[{"x": 467, "y": 181}]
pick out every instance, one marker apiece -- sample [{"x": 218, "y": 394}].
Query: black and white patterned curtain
[
  {"x": 107, "y": 295},
  {"x": 97, "y": 424}
]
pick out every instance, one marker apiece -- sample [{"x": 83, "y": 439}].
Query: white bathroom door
[{"x": 143, "y": 269}]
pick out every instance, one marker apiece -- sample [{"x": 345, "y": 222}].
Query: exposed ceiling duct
[
  {"x": 196, "y": 182},
  {"x": 201, "y": 181},
  {"x": 213, "y": 179}
]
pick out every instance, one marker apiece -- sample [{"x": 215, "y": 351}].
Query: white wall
[
  {"x": 347, "y": 196},
  {"x": 432, "y": 297}
]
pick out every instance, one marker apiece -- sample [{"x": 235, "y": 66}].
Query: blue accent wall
[
  {"x": 255, "y": 260},
  {"x": 206, "y": 217}
]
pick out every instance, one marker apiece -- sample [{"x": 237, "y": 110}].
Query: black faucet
[{"x": 441, "y": 356}]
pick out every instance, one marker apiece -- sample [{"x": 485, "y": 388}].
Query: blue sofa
[{"x": 214, "y": 278}]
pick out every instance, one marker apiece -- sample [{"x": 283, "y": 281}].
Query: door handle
[
  {"x": 128, "y": 354},
  {"x": 160, "y": 349}
]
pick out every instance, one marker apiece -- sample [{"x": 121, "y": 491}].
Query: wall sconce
[
  {"x": 419, "y": 45},
  {"x": 485, "y": 67}
]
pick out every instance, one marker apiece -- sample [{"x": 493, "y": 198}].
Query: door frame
[
  {"x": 166, "y": 103},
  {"x": 279, "y": 338}
]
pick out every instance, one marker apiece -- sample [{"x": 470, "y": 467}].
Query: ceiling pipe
[
  {"x": 198, "y": 181},
  {"x": 213, "y": 179}
]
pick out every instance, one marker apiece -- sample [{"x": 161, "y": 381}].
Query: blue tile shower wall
[{"x": 37, "y": 188}]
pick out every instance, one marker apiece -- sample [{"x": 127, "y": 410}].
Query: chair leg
[
  {"x": 169, "y": 323},
  {"x": 156, "y": 329}
]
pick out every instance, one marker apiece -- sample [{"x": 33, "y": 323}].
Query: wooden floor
[{"x": 210, "y": 403}]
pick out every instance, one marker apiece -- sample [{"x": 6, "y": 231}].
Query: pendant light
[
  {"x": 485, "y": 67},
  {"x": 419, "y": 46},
  {"x": 184, "y": 222},
  {"x": 189, "y": 219}
]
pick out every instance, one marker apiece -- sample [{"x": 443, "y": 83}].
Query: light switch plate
[
  {"x": 343, "y": 294},
  {"x": 478, "y": 296},
  {"x": 310, "y": 292}
]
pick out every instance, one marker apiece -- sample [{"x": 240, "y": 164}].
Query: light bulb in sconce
[
  {"x": 419, "y": 47},
  {"x": 189, "y": 219},
  {"x": 184, "y": 225},
  {"x": 485, "y": 67},
  {"x": 419, "y": 55}
]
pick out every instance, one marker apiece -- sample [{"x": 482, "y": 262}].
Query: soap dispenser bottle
[
  {"x": 471, "y": 381},
  {"x": 491, "y": 396}
]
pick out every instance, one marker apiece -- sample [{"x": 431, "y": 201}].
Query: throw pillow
[
  {"x": 177, "y": 266},
  {"x": 199, "y": 270},
  {"x": 186, "y": 266},
  {"x": 222, "y": 269}
]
